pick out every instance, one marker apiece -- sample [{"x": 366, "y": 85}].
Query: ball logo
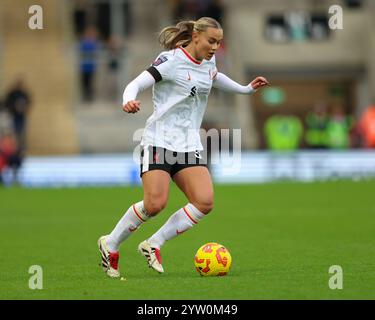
[
  {"x": 222, "y": 259},
  {"x": 207, "y": 248}
]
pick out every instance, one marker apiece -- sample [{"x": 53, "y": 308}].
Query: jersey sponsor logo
[
  {"x": 193, "y": 91},
  {"x": 159, "y": 61}
]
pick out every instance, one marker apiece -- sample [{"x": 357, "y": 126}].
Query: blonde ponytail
[{"x": 180, "y": 35}]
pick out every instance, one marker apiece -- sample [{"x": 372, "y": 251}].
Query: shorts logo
[
  {"x": 159, "y": 61},
  {"x": 156, "y": 157}
]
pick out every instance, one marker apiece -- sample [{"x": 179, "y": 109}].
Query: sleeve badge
[{"x": 159, "y": 61}]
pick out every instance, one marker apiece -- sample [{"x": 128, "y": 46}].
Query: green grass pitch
[{"x": 283, "y": 238}]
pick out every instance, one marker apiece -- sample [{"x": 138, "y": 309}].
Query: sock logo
[
  {"x": 132, "y": 228},
  {"x": 180, "y": 232}
]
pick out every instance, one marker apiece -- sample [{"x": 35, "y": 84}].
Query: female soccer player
[{"x": 182, "y": 78}]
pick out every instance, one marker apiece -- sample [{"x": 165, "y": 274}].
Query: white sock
[
  {"x": 179, "y": 222},
  {"x": 129, "y": 223}
]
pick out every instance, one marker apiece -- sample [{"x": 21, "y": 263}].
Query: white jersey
[{"x": 180, "y": 97}]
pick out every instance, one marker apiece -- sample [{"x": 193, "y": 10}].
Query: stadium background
[{"x": 80, "y": 137}]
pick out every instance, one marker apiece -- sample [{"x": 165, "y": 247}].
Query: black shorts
[{"x": 157, "y": 158}]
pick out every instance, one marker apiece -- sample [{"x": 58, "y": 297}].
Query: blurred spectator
[
  {"x": 367, "y": 127},
  {"x": 18, "y": 102},
  {"x": 316, "y": 126},
  {"x": 283, "y": 132},
  {"x": 79, "y": 17},
  {"x": 88, "y": 47},
  {"x": 10, "y": 156},
  {"x": 338, "y": 128}
]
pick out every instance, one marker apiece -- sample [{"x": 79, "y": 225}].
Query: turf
[{"x": 283, "y": 238}]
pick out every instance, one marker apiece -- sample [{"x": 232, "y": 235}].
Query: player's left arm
[{"x": 223, "y": 82}]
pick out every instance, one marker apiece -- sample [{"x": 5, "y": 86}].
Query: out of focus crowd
[{"x": 324, "y": 127}]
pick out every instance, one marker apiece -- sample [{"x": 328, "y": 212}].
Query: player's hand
[
  {"x": 259, "y": 82},
  {"x": 132, "y": 106}
]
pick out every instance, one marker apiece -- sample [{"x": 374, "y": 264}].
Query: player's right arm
[
  {"x": 162, "y": 68},
  {"x": 142, "y": 82}
]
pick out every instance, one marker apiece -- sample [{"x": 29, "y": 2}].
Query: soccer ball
[{"x": 212, "y": 259}]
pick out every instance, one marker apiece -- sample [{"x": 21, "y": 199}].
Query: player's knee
[
  {"x": 204, "y": 205},
  {"x": 154, "y": 205}
]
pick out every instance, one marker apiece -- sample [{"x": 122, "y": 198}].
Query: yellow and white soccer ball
[{"x": 212, "y": 259}]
